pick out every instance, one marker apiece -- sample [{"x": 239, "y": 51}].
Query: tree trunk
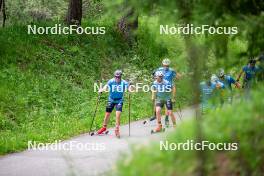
[
  {"x": 3, "y": 8},
  {"x": 127, "y": 25},
  {"x": 74, "y": 15}
]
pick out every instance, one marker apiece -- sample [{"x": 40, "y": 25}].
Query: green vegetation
[
  {"x": 47, "y": 81},
  {"x": 242, "y": 122},
  {"x": 46, "y": 89}
]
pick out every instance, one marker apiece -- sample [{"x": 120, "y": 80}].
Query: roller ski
[
  {"x": 101, "y": 132},
  {"x": 159, "y": 129},
  {"x": 150, "y": 119}
]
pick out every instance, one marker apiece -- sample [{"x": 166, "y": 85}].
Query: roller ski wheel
[{"x": 101, "y": 134}]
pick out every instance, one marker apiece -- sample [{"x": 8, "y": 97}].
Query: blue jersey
[
  {"x": 228, "y": 81},
  {"x": 169, "y": 74},
  {"x": 163, "y": 89},
  {"x": 116, "y": 90},
  {"x": 207, "y": 92},
  {"x": 250, "y": 72}
]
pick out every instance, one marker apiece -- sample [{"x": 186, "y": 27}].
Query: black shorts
[
  {"x": 161, "y": 103},
  {"x": 114, "y": 104}
]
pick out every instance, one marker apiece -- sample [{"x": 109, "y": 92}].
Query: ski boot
[
  {"x": 101, "y": 131},
  {"x": 158, "y": 129}
]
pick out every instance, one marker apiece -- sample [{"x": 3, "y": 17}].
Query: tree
[
  {"x": 74, "y": 15},
  {"x": 128, "y": 23},
  {"x": 3, "y": 8}
]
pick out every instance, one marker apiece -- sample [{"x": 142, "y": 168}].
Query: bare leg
[
  {"x": 158, "y": 114},
  {"x": 118, "y": 114},
  {"x": 106, "y": 119},
  {"x": 173, "y": 119},
  {"x": 166, "y": 112}
]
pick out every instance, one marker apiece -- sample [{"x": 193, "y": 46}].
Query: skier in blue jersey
[
  {"x": 161, "y": 93},
  {"x": 116, "y": 87},
  {"x": 228, "y": 81},
  {"x": 170, "y": 75},
  {"x": 249, "y": 73},
  {"x": 208, "y": 90}
]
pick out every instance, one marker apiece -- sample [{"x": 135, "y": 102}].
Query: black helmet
[{"x": 252, "y": 61}]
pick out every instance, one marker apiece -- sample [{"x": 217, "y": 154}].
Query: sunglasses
[{"x": 118, "y": 77}]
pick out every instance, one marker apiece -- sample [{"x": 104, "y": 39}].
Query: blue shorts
[{"x": 111, "y": 104}]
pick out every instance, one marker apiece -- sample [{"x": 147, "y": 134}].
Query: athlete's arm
[
  {"x": 178, "y": 76},
  {"x": 219, "y": 85},
  {"x": 237, "y": 85},
  {"x": 233, "y": 81},
  {"x": 174, "y": 92}
]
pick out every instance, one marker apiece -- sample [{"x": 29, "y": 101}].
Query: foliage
[
  {"x": 242, "y": 122},
  {"x": 46, "y": 89}
]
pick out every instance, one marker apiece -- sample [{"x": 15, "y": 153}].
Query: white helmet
[
  {"x": 214, "y": 78},
  {"x": 166, "y": 61},
  {"x": 118, "y": 73},
  {"x": 159, "y": 74},
  {"x": 221, "y": 72}
]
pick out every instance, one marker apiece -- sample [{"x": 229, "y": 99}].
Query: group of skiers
[
  {"x": 217, "y": 89},
  {"x": 164, "y": 91}
]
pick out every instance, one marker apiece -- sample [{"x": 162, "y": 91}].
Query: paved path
[{"x": 82, "y": 162}]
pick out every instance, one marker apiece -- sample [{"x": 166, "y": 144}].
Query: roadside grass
[
  {"x": 241, "y": 123},
  {"x": 46, "y": 83}
]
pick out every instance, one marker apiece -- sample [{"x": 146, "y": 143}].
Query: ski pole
[
  {"x": 129, "y": 103},
  {"x": 153, "y": 111},
  {"x": 180, "y": 110},
  {"x": 96, "y": 107}
]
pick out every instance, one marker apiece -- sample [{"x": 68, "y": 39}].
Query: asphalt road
[{"x": 97, "y": 158}]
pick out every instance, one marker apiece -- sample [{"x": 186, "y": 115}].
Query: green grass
[
  {"x": 46, "y": 82},
  {"x": 242, "y": 122}
]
